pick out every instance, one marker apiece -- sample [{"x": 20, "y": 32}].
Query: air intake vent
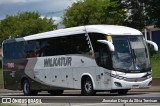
[
  {"x": 118, "y": 84},
  {"x": 150, "y": 83}
]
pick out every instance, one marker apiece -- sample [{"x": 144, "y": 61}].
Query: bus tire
[
  {"x": 122, "y": 92},
  {"x": 56, "y": 92},
  {"x": 87, "y": 88},
  {"x": 26, "y": 89}
]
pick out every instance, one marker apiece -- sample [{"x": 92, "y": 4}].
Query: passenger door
[{"x": 104, "y": 61}]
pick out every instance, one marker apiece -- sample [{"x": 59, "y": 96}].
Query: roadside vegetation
[
  {"x": 9, "y": 105},
  {"x": 155, "y": 62}
]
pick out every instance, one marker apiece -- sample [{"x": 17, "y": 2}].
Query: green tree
[
  {"x": 89, "y": 12},
  {"x": 137, "y": 17},
  {"x": 153, "y": 10},
  {"x": 23, "y": 24},
  {"x": 142, "y": 13}
]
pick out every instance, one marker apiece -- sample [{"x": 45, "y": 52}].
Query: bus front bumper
[{"x": 122, "y": 84}]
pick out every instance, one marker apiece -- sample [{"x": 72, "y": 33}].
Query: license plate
[{"x": 135, "y": 86}]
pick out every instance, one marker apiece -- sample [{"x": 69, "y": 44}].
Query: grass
[
  {"x": 155, "y": 62},
  {"x": 8, "y": 105}
]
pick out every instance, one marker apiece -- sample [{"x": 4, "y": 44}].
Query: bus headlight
[{"x": 149, "y": 76}]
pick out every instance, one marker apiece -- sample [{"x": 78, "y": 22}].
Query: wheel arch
[
  {"x": 87, "y": 75},
  {"x": 22, "y": 80}
]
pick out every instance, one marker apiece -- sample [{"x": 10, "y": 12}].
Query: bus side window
[
  {"x": 21, "y": 50},
  {"x": 82, "y": 46},
  {"x": 101, "y": 51},
  {"x": 47, "y": 50},
  {"x": 103, "y": 56},
  {"x": 30, "y": 49},
  {"x": 8, "y": 50}
]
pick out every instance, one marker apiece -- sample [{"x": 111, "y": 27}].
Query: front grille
[{"x": 135, "y": 79}]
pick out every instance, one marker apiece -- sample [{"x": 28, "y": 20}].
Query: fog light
[
  {"x": 150, "y": 83},
  {"x": 118, "y": 84}
]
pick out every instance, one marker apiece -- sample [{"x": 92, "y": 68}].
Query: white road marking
[{"x": 91, "y": 104}]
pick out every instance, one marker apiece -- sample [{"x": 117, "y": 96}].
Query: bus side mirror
[
  {"x": 154, "y": 44},
  {"x": 110, "y": 45}
]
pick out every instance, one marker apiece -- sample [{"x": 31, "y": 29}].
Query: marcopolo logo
[{"x": 61, "y": 61}]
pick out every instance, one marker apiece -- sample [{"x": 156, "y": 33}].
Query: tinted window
[
  {"x": 103, "y": 56},
  {"x": 72, "y": 44},
  {"x": 94, "y": 37},
  {"x": 30, "y": 48},
  {"x": 102, "y": 53},
  {"x": 14, "y": 50}
]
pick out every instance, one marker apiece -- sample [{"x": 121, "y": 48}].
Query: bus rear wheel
[
  {"x": 87, "y": 88},
  {"x": 26, "y": 89},
  {"x": 56, "y": 92}
]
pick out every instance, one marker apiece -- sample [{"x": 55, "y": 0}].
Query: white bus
[{"x": 88, "y": 58}]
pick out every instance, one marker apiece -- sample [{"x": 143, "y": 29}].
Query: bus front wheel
[
  {"x": 26, "y": 89},
  {"x": 87, "y": 88}
]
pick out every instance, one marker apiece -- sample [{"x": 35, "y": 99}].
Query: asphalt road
[
  {"x": 76, "y": 93},
  {"x": 101, "y": 99}
]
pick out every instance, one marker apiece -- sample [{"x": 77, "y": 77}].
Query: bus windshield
[{"x": 131, "y": 54}]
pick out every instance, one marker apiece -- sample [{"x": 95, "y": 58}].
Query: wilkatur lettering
[{"x": 61, "y": 61}]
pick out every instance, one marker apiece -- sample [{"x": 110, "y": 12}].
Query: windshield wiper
[{"x": 134, "y": 56}]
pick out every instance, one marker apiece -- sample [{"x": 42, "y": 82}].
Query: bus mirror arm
[
  {"x": 154, "y": 44},
  {"x": 110, "y": 45}
]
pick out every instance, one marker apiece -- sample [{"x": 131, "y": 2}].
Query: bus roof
[{"x": 104, "y": 29}]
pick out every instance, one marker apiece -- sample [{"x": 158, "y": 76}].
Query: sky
[{"x": 50, "y": 8}]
